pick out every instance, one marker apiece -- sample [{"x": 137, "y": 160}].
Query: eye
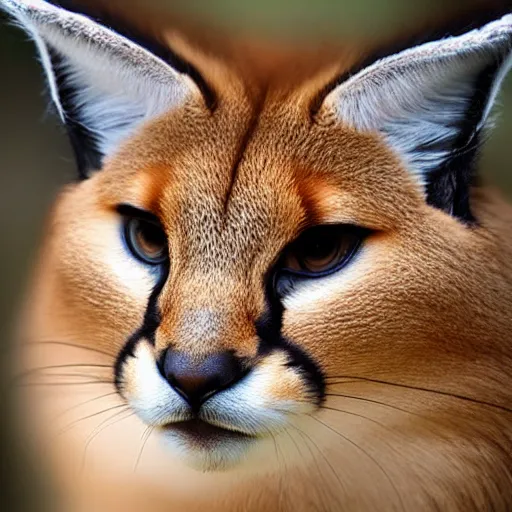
[
  {"x": 322, "y": 250},
  {"x": 146, "y": 240}
]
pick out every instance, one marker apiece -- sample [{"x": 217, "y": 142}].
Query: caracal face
[{"x": 275, "y": 286}]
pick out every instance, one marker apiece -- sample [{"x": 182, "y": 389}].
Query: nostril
[{"x": 196, "y": 380}]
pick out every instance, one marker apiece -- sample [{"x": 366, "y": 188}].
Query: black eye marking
[
  {"x": 268, "y": 330},
  {"x": 147, "y": 330},
  {"x": 317, "y": 252},
  {"x": 127, "y": 210},
  {"x": 152, "y": 318}
]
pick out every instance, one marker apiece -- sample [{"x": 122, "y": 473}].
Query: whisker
[
  {"x": 280, "y": 477},
  {"x": 86, "y": 402},
  {"x": 97, "y": 413},
  {"x": 82, "y": 375},
  {"x": 68, "y": 344},
  {"x": 283, "y": 457},
  {"x": 366, "y": 454},
  {"x": 44, "y": 371},
  {"x": 428, "y": 390},
  {"x": 57, "y": 384},
  {"x": 294, "y": 442},
  {"x": 145, "y": 436},
  {"x": 309, "y": 448},
  {"x": 340, "y": 482},
  {"x": 98, "y": 430},
  {"x": 71, "y": 365},
  {"x": 330, "y": 377},
  {"x": 62, "y": 366},
  {"x": 71, "y": 425},
  {"x": 357, "y": 415},
  {"x": 277, "y": 453},
  {"x": 370, "y": 400},
  {"x": 344, "y": 381}
]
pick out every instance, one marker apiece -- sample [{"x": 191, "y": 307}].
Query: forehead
[{"x": 254, "y": 173}]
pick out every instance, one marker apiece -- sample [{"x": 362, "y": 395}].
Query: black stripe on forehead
[
  {"x": 150, "y": 43},
  {"x": 147, "y": 330}
]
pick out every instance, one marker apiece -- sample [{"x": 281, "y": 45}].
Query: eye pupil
[
  {"x": 319, "y": 249},
  {"x": 150, "y": 238},
  {"x": 146, "y": 240}
]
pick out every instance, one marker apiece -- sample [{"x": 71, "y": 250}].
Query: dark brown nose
[{"x": 196, "y": 381}]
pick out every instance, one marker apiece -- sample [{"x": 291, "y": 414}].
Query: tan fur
[{"x": 415, "y": 337}]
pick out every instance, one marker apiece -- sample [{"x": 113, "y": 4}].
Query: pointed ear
[
  {"x": 103, "y": 84},
  {"x": 431, "y": 103}
]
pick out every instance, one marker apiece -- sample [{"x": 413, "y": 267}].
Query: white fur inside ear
[
  {"x": 418, "y": 98},
  {"x": 118, "y": 84}
]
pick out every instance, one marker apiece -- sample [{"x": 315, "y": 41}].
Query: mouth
[
  {"x": 200, "y": 432},
  {"x": 205, "y": 446}
]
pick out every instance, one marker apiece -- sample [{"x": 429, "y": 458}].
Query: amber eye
[
  {"x": 146, "y": 240},
  {"x": 322, "y": 249}
]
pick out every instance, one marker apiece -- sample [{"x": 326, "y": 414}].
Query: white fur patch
[
  {"x": 252, "y": 407},
  {"x": 119, "y": 84},
  {"x": 148, "y": 393},
  {"x": 268, "y": 400},
  {"x": 418, "y": 97}
]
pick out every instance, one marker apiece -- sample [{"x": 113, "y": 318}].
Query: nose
[{"x": 196, "y": 381}]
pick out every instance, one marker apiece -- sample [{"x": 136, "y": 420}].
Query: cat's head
[{"x": 255, "y": 252}]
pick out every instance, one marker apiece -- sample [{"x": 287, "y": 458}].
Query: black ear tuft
[
  {"x": 83, "y": 142},
  {"x": 449, "y": 186}
]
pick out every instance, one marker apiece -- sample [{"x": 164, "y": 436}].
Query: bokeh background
[{"x": 35, "y": 157}]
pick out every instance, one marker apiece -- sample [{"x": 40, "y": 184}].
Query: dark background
[{"x": 35, "y": 158}]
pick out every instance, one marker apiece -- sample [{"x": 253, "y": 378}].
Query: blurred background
[{"x": 35, "y": 157}]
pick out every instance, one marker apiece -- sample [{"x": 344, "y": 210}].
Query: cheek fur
[{"x": 96, "y": 240}]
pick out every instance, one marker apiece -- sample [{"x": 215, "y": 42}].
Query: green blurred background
[{"x": 35, "y": 158}]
